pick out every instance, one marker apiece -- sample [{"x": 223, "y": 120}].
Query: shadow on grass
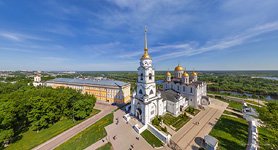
[{"x": 229, "y": 126}]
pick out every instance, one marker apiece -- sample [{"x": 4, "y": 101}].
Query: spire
[
  {"x": 145, "y": 40},
  {"x": 146, "y": 54}
]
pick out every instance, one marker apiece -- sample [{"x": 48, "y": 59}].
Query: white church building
[
  {"x": 37, "y": 80},
  {"x": 178, "y": 92}
]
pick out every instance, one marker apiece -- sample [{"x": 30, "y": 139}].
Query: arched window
[
  {"x": 178, "y": 88},
  {"x": 150, "y": 76},
  {"x": 191, "y": 91},
  {"x": 151, "y": 92},
  {"x": 184, "y": 88},
  {"x": 140, "y": 91},
  {"x": 141, "y": 76}
]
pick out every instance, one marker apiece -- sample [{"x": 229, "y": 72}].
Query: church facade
[{"x": 178, "y": 92}]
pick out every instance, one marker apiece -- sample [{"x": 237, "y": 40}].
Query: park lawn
[
  {"x": 265, "y": 138},
  {"x": 231, "y": 132},
  {"x": 235, "y": 105},
  {"x": 228, "y": 112},
  {"x": 31, "y": 139},
  {"x": 168, "y": 119},
  {"x": 180, "y": 122},
  {"x": 176, "y": 122},
  {"x": 252, "y": 102},
  {"x": 192, "y": 111},
  {"x": 107, "y": 146},
  {"x": 151, "y": 139},
  {"x": 232, "y": 113},
  {"x": 88, "y": 136}
]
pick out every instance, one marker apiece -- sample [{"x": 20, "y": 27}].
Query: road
[{"x": 63, "y": 137}]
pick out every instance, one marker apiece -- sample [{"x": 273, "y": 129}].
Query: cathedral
[{"x": 179, "y": 91}]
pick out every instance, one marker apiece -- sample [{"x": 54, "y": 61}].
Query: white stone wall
[{"x": 160, "y": 135}]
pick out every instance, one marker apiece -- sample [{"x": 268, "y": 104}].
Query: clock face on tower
[{"x": 146, "y": 62}]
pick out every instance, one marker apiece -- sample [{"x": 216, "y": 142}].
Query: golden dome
[
  {"x": 185, "y": 74},
  {"x": 146, "y": 55},
  {"x": 194, "y": 73},
  {"x": 168, "y": 73},
  {"x": 179, "y": 68}
]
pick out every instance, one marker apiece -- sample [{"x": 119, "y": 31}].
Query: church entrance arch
[
  {"x": 205, "y": 100},
  {"x": 139, "y": 113}
]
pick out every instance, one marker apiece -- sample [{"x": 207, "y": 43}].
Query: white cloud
[
  {"x": 20, "y": 36},
  {"x": 179, "y": 49}
]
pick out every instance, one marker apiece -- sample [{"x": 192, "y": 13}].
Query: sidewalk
[{"x": 63, "y": 137}]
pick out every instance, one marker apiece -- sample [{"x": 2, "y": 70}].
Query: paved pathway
[
  {"x": 236, "y": 112},
  {"x": 61, "y": 138},
  {"x": 98, "y": 144},
  {"x": 125, "y": 136},
  {"x": 190, "y": 134}
]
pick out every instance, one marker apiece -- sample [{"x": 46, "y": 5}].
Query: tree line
[{"x": 25, "y": 108}]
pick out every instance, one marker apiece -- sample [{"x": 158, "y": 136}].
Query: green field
[
  {"x": 89, "y": 136},
  {"x": 265, "y": 138},
  {"x": 107, "y": 146},
  {"x": 45, "y": 134},
  {"x": 151, "y": 139},
  {"x": 232, "y": 133}
]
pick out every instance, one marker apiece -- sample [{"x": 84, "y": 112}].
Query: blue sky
[{"x": 103, "y": 35}]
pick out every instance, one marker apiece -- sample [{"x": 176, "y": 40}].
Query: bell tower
[{"x": 146, "y": 87}]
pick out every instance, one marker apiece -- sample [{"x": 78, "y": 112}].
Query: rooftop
[
  {"x": 170, "y": 95},
  {"x": 106, "y": 82},
  {"x": 210, "y": 140}
]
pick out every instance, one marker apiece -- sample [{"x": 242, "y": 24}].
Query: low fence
[
  {"x": 252, "y": 136},
  {"x": 161, "y": 136},
  {"x": 140, "y": 130}
]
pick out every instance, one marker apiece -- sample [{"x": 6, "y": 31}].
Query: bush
[
  {"x": 164, "y": 129},
  {"x": 156, "y": 121}
]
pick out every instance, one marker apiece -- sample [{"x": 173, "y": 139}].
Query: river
[
  {"x": 267, "y": 97},
  {"x": 269, "y": 78}
]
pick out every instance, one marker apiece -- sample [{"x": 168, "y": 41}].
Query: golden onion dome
[
  {"x": 146, "y": 55},
  {"x": 194, "y": 73},
  {"x": 179, "y": 68},
  {"x": 168, "y": 73},
  {"x": 185, "y": 74}
]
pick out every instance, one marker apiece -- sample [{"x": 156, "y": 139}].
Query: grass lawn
[
  {"x": 31, "y": 139},
  {"x": 265, "y": 137},
  {"x": 192, "y": 111},
  {"x": 180, "y": 122},
  {"x": 232, "y": 113},
  {"x": 107, "y": 146},
  {"x": 237, "y": 106},
  {"x": 232, "y": 133},
  {"x": 168, "y": 119},
  {"x": 176, "y": 122},
  {"x": 151, "y": 139},
  {"x": 88, "y": 136},
  {"x": 252, "y": 102}
]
